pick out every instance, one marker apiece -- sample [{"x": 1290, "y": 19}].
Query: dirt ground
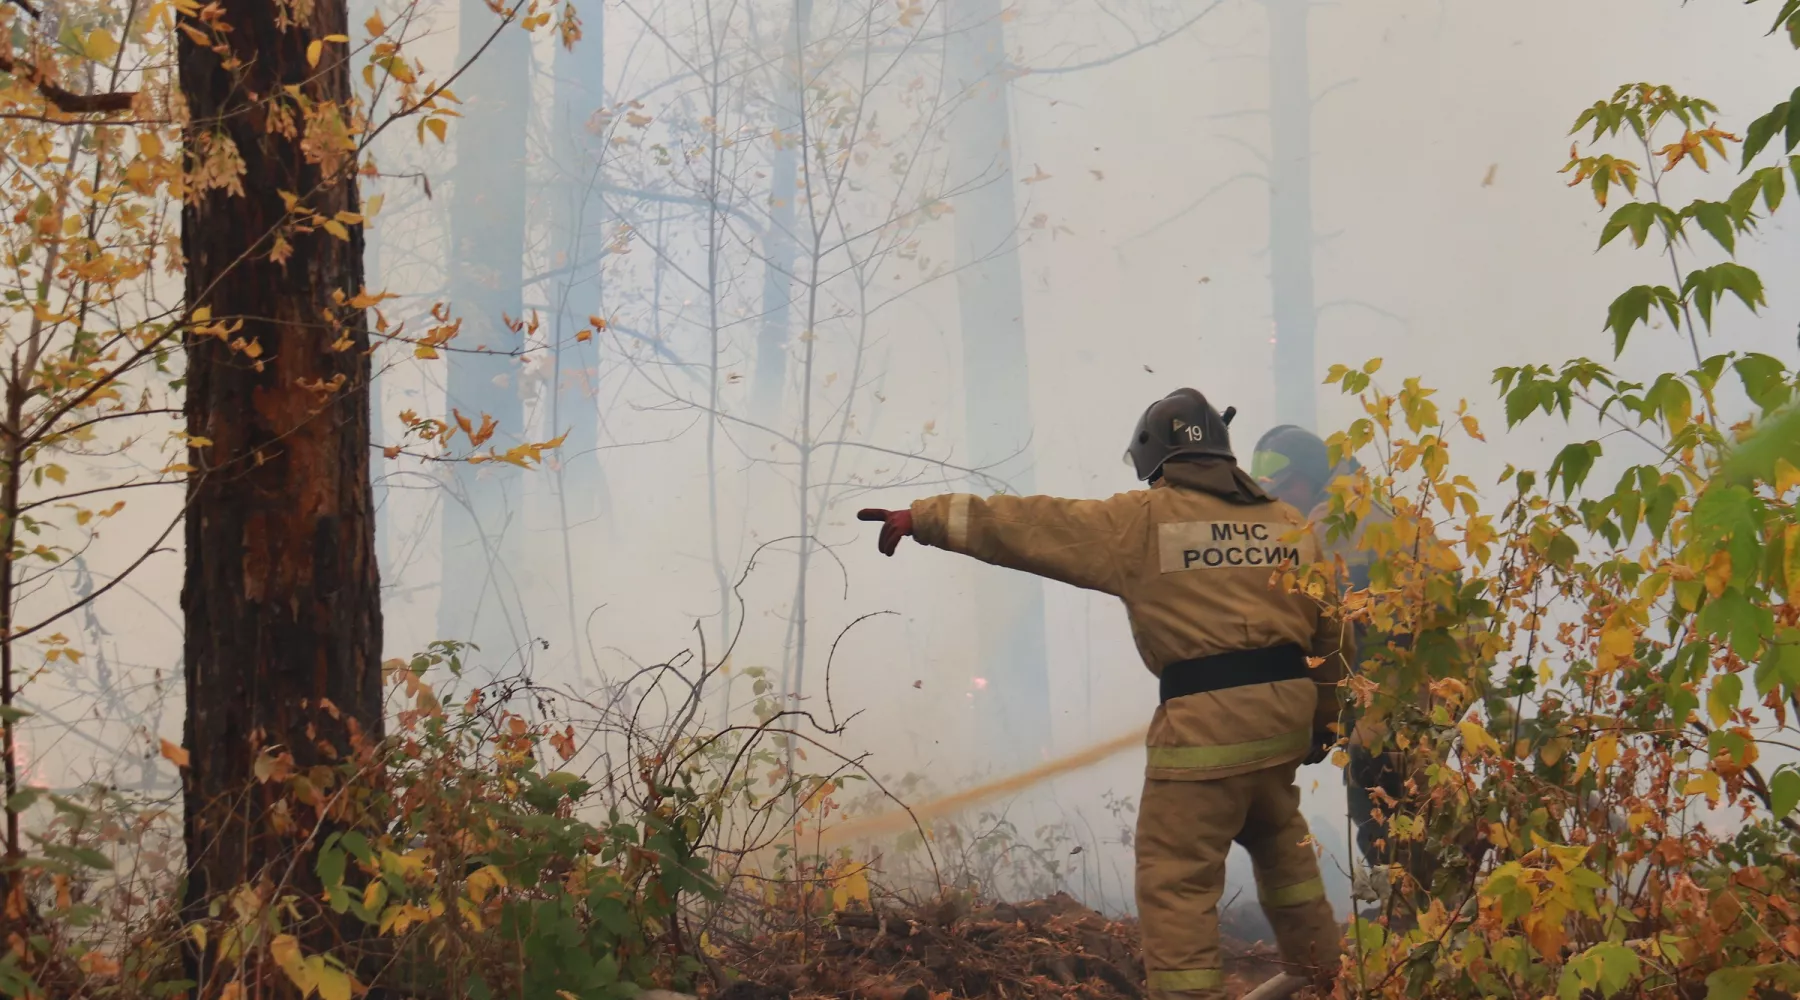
[{"x": 1045, "y": 948}]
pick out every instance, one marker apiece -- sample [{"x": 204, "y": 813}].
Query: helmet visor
[{"x": 1268, "y": 464}]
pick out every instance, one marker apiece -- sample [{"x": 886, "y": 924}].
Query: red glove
[{"x": 896, "y": 524}]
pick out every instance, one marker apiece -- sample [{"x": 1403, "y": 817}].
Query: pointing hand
[{"x": 895, "y": 525}]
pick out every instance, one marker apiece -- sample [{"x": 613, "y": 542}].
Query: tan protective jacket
[{"x": 1197, "y": 575}]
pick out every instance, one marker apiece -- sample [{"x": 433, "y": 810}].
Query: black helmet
[
  {"x": 1292, "y": 448},
  {"x": 1181, "y": 424}
]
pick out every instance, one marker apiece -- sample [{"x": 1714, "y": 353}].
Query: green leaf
[
  {"x": 1633, "y": 307},
  {"x": 84, "y": 856},
  {"x": 1707, "y": 286},
  {"x": 1636, "y": 216},
  {"x": 1629, "y": 504},
  {"x": 21, "y": 801},
  {"x": 1605, "y": 968},
  {"x": 1723, "y": 697},
  {"x": 1766, "y": 381},
  {"x": 14, "y": 981},
  {"x": 9, "y": 713},
  {"x": 1780, "y": 666},
  {"x": 1730, "y": 983},
  {"x": 1715, "y": 218},
  {"x": 356, "y": 844},
  {"x": 1572, "y": 465},
  {"x": 1732, "y": 617},
  {"x": 330, "y": 865},
  {"x": 1764, "y": 129},
  {"x": 1777, "y": 437},
  {"x": 1784, "y": 792},
  {"x": 1787, "y": 12}
]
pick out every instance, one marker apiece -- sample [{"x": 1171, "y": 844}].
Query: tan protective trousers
[{"x": 1185, "y": 829}]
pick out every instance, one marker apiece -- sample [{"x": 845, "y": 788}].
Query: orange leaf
[{"x": 174, "y": 754}]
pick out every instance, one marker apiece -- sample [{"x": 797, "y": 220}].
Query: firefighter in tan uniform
[
  {"x": 1294, "y": 465},
  {"x": 1248, "y": 673}
]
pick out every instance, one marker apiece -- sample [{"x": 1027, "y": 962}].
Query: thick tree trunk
[
  {"x": 1014, "y": 708},
  {"x": 281, "y": 603}
]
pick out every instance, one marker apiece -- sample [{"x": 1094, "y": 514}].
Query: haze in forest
[{"x": 1067, "y": 210}]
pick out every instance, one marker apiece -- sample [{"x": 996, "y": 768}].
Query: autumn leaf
[
  {"x": 174, "y": 754},
  {"x": 332, "y": 983},
  {"x": 285, "y": 950}
]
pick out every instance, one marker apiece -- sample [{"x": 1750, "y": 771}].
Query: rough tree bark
[{"x": 280, "y": 599}]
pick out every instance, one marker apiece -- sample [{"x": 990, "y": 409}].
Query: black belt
[{"x": 1236, "y": 669}]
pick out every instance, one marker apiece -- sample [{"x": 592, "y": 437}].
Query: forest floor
[{"x": 1048, "y": 948}]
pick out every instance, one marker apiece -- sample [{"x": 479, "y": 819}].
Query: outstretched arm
[{"x": 1078, "y": 542}]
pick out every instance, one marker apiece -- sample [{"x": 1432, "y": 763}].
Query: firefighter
[
  {"x": 1247, "y": 669},
  {"x": 1294, "y": 465}
]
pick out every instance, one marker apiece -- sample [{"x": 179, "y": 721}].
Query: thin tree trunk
[
  {"x": 780, "y": 247},
  {"x": 578, "y": 244},
  {"x": 281, "y": 594},
  {"x": 1013, "y": 710},
  {"x": 481, "y": 520},
  {"x": 1290, "y": 214}
]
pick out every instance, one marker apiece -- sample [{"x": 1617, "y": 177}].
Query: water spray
[{"x": 900, "y": 820}]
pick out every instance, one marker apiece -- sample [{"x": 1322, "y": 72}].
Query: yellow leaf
[
  {"x": 1786, "y": 476},
  {"x": 202, "y": 313},
  {"x": 374, "y": 894},
  {"x": 372, "y": 207},
  {"x": 56, "y": 472},
  {"x": 233, "y": 990},
  {"x": 1718, "y": 573},
  {"x": 313, "y": 49},
  {"x": 1475, "y": 737},
  {"x": 1707, "y": 783},
  {"x": 333, "y": 984},
  {"x": 285, "y": 950},
  {"x": 437, "y": 127},
  {"x": 1606, "y": 750},
  {"x": 854, "y": 887},
  {"x": 336, "y": 228},
  {"x": 375, "y": 26},
  {"x": 100, "y": 46},
  {"x": 1372, "y": 367},
  {"x": 1616, "y": 640},
  {"x": 174, "y": 754}
]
